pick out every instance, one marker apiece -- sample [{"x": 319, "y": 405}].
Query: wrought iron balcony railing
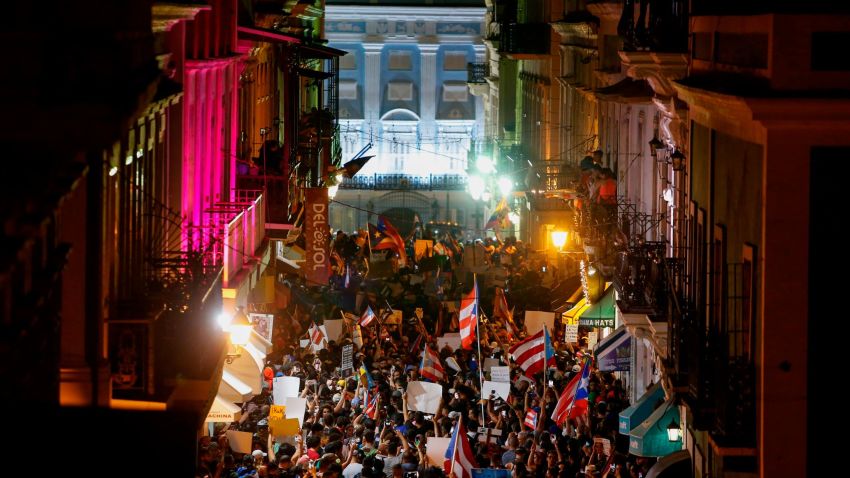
[
  {"x": 433, "y": 182},
  {"x": 477, "y": 72},
  {"x": 525, "y": 38},
  {"x": 664, "y": 29}
]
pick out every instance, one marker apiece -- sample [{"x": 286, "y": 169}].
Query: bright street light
[
  {"x": 559, "y": 238},
  {"x": 485, "y": 165},
  {"x": 505, "y": 185},
  {"x": 476, "y": 187}
]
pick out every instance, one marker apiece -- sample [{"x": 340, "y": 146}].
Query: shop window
[
  {"x": 347, "y": 90},
  {"x": 455, "y": 92}
]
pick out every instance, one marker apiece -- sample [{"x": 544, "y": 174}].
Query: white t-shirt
[
  {"x": 389, "y": 463},
  {"x": 353, "y": 470}
]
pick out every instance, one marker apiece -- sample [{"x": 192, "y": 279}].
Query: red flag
[
  {"x": 367, "y": 317},
  {"x": 468, "y": 318},
  {"x": 530, "y": 419},
  {"x": 430, "y": 367},
  {"x": 460, "y": 460}
]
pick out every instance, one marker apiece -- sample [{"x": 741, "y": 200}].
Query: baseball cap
[{"x": 258, "y": 453}]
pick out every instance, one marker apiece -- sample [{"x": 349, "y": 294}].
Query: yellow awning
[
  {"x": 223, "y": 410},
  {"x": 572, "y": 315}
]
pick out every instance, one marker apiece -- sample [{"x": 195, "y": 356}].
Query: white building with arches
[{"x": 403, "y": 90}]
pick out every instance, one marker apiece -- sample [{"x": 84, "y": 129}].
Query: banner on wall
[{"x": 317, "y": 267}]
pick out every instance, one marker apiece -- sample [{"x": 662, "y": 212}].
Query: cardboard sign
[
  {"x": 489, "y": 363},
  {"x": 435, "y": 450},
  {"x": 501, "y": 374},
  {"x": 283, "y": 387},
  {"x": 419, "y": 313},
  {"x": 295, "y": 408},
  {"x": 393, "y": 318},
  {"x": 263, "y": 324},
  {"x": 571, "y": 333},
  {"x": 424, "y": 396},
  {"x": 452, "y": 340},
  {"x": 503, "y": 390},
  {"x": 277, "y": 412},
  {"x": 536, "y": 319},
  {"x": 592, "y": 338},
  {"x": 334, "y": 328},
  {"x": 240, "y": 442}
]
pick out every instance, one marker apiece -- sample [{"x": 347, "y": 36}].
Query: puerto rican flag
[
  {"x": 367, "y": 317},
  {"x": 317, "y": 337},
  {"x": 573, "y": 400},
  {"x": 431, "y": 368},
  {"x": 530, "y": 419},
  {"x": 460, "y": 460},
  {"x": 468, "y": 318},
  {"x": 372, "y": 408},
  {"x": 533, "y": 353}
]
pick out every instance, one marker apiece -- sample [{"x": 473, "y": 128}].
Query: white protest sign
[
  {"x": 500, "y": 374},
  {"x": 240, "y": 442},
  {"x": 435, "y": 450},
  {"x": 424, "y": 396},
  {"x": 452, "y": 363},
  {"x": 304, "y": 343},
  {"x": 334, "y": 328},
  {"x": 502, "y": 389},
  {"x": 295, "y": 408},
  {"x": 536, "y": 319},
  {"x": 452, "y": 340},
  {"x": 489, "y": 363},
  {"x": 571, "y": 333},
  {"x": 283, "y": 387},
  {"x": 592, "y": 338}
]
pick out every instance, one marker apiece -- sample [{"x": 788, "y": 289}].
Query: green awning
[
  {"x": 640, "y": 410},
  {"x": 650, "y": 437},
  {"x": 601, "y": 313}
]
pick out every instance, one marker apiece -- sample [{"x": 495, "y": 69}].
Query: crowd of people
[{"x": 358, "y": 422}]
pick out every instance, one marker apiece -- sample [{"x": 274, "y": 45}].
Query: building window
[
  {"x": 455, "y": 92},
  {"x": 348, "y": 62},
  {"x": 718, "y": 279},
  {"x": 454, "y": 60},
  {"x": 347, "y": 90},
  {"x": 748, "y": 50},
  {"x": 748, "y": 305},
  {"x": 400, "y": 91},
  {"x": 829, "y": 51},
  {"x": 400, "y": 60}
]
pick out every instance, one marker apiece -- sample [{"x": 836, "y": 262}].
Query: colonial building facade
[{"x": 403, "y": 97}]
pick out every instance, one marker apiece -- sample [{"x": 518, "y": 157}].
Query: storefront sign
[
  {"x": 317, "y": 267},
  {"x": 587, "y": 322},
  {"x": 592, "y": 338}
]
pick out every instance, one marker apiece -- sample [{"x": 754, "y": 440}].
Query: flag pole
[
  {"x": 545, "y": 368},
  {"x": 478, "y": 336}
]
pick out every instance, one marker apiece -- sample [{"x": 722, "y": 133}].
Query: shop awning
[
  {"x": 673, "y": 465},
  {"x": 614, "y": 352},
  {"x": 650, "y": 437},
  {"x": 601, "y": 313},
  {"x": 573, "y": 315},
  {"x": 265, "y": 35},
  {"x": 232, "y": 389},
  {"x": 319, "y": 51},
  {"x": 640, "y": 410},
  {"x": 223, "y": 410},
  {"x": 564, "y": 291},
  {"x": 248, "y": 367}
]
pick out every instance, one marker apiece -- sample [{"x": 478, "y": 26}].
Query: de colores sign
[{"x": 316, "y": 239}]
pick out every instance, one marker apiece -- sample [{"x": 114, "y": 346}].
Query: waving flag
[
  {"x": 372, "y": 408},
  {"x": 366, "y": 377},
  {"x": 431, "y": 368},
  {"x": 386, "y": 228},
  {"x": 533, "y": 353},
  {"x": 499, "y": 216},
  {"x": 317, "y": 337},
  {"x": 530, "y": 419},
  {"x": 378, "y": 240},
  {"x": 460, "y": 460},
  {"x": 500, "y": 309},
  {"x": 367, "y": 317},
  {"x": 468, "y": 318},
  {"x": 573, "y": 400}
]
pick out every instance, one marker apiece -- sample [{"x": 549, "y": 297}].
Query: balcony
[
  {"x": 664, "y": 30},
  {"x": 525, "y": 40},
  {"x": 433, "y": 182},
  {"x": 275, "y": 191}
]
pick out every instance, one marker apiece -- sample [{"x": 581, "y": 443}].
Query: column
[
  {"x": 372, "y": 84},
  {"x": 428, "y": 90}
]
